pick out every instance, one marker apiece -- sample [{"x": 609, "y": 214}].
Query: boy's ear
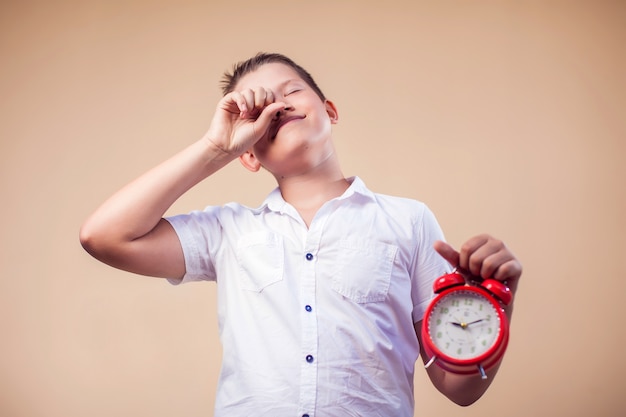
[
  {"x": 249, "y": 161},
  {"x": 331, "y": 109}
]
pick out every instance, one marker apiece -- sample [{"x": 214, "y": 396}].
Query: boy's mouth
[{"x": 275, "y": 126}]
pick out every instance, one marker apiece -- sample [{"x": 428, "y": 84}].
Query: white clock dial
[{"x": 464, "y": 324}]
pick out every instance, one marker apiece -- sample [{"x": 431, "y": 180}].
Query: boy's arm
[
  {"x": 486, "y": 257},
  {"x": 128, "y": 231}
]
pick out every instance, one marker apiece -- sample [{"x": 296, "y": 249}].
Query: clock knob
[
  {"x": 499, "y": 290},
  {"x": 448, "y": 280}
]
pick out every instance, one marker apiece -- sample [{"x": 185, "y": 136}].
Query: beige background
[{"x": 506, "y": 117}]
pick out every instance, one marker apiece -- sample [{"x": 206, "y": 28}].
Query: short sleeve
[
  {"x": 428, "y": 265},
  {"x": 199, "y": 233}
]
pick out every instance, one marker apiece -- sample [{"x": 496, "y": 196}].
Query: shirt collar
[{"x": 275, "y": 201}]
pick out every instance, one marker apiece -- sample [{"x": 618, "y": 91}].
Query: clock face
[{"x": 464, "y": 324}]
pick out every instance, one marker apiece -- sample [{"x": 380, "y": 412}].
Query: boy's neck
[{"x": 308, "y": 193}]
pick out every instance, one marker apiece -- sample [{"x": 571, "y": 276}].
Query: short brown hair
[{"x": 230, "y": 79}]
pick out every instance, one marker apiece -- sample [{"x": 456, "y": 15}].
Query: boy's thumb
[
  {"x": 268, "y": 115},
  {"x": 447, "y": 252}
]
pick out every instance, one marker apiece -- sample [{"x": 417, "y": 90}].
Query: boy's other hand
[{"x": 483, "y": 256}]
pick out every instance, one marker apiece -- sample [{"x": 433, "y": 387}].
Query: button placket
[{"x": 308, "y": 319}]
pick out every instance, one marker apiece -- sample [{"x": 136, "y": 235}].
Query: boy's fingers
[
  {"x": 269, "y": 97},
  {"x": 259, "y": 97},
  {"x": 233, "y": 102},
  {"x": 473, "y": 252}
]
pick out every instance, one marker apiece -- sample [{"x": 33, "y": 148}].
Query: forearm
[
  {"x": 136, "y": 209},
  {"x": 463, "y": 390}
]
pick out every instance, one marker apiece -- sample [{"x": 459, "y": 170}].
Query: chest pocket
[
  {"x": 261, "y": 260},
  {"x": 363, "y": 270}
]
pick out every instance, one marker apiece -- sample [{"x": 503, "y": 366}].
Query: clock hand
[{"x": 464, "y": 325}]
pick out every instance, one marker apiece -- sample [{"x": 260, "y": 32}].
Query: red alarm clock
[{"x": 465, "y": 329}]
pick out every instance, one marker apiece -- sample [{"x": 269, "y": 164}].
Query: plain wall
[{"x": 504, "y": 117}]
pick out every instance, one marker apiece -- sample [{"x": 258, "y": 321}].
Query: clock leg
[
  {"x": 483, "y": 374},
  {"x": 430, "y": 362}
]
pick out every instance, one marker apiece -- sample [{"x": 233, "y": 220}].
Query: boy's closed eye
[{"x": 292, "y": 91}]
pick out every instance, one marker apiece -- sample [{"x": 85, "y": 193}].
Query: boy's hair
[{"x": 230, "y": 80}]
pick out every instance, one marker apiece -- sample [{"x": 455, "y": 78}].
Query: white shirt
[{"x": 318, "y": 321}]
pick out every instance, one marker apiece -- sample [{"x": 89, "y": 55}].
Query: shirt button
[
  {"x": 309, "y": 358},
  {"x": 308, "y": 308},
  {"x": 309, "y": 256}
]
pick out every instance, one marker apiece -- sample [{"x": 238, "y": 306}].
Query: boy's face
[{"x": 301, "y": 137}]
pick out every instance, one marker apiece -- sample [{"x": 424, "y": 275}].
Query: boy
[{"x": 322, "y": 289}]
